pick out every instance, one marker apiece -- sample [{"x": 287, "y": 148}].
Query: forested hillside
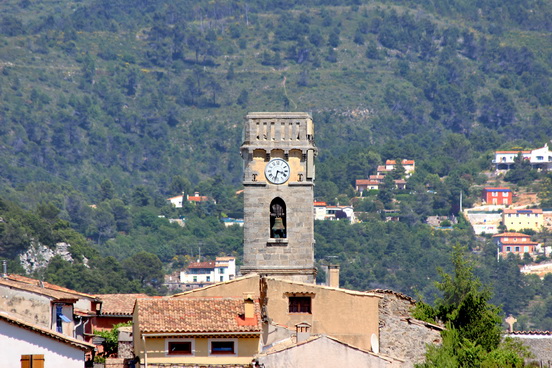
[{"x": 120, "y": 104}]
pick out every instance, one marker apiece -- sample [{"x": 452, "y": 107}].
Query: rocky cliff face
[{"x": 38, "y": 256}]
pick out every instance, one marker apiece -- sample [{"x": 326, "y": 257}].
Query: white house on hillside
[
  {"x": 540, "y": 158},
  {"x": 322, "y": 211},
  {"x": 199, "y": 274}
]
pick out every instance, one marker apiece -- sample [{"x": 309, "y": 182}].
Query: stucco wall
[
  {"x": 30, "y": 307},
  {"x": 16, "y": 341},
  {"x": 157, "y": 352},
  {"x": 348, "y": 316},
  {"x": 324, "y": 353}
]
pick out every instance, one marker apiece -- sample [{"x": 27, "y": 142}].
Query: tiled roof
[
  {"x": 403, "y": 162},
  {"x": 541, "y": 333},
  {"x": 524, "y": 211},
  {"x": 208, "y": 264},
  {"x": 47, "y": 285},
  {"x": 225, "y": 258},
  {"x": 511, "y": 234},
  {"x": 46, "y": 332},
  {"x": 320, "y": 204},
  {"x": 54, "y": 294},
  {"x": 498, "y": 152},
  {"x": 497, "y": 189},
  {"x": 119, "y": 304},
  {"x": 367, "y": 182},
  {"x": 196, "y": 315},
  {"x": 197, "y": 198},
  {"x": 517, "y": 242}
]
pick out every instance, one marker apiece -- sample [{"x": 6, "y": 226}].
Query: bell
[
  {"x": 278, "y": 228},
  {"x": 278, "y": 224}
]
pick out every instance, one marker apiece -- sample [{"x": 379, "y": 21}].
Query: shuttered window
[{"x": 32, "y": 361}]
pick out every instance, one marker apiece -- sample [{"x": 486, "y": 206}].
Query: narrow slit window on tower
[{"x": 278, "y": 219}]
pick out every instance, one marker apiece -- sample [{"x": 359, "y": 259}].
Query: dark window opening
[
  {"x": 222, "y": 347},
  {"x": 180, "y": 347},
  {"x": 278, "y": 226},
  {"x": 300, "y": 304}
]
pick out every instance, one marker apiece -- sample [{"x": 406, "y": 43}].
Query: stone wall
[
  {"x": 402, "y": 336},
  {"x": 540, "y": 345}
]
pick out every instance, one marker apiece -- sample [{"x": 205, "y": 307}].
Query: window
[
  {"x": 223, "y": 347},
  {"x": 180, "y": 347},
  {"x": 517, "y": 249},
  {"x": 222, "y": 278},
  {"x": 208, "y": 278},
  {"x": 505, "y": 194},
  {"x": 494, "y": 194},
  {"x": 507, "y": 249},
  {"x": 32, "y": 361},
  {"x": 221, "y": 270},
  {"x": 195, "y": 278},
  {"x": 300, "y": 304},
  {"x": 278, "y": 218},
  {"x": 60, "y": 318}
]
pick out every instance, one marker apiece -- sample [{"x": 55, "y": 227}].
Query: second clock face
[{"x": 277, "y": 171}]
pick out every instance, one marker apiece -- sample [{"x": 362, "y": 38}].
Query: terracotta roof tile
[
  {"x": 208, "y": 264},
  {"x": 367, "y": 182},
  {"x": 195, "y": 315},
  {"x": 46, "y": 285},
  {"x": 523, "y": 212},
  {"x": 511, "y": 234},
  {"x": 119, "y": 304},
  {"x": 54, "y": 294}
]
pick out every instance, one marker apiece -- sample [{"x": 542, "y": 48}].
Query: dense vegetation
[{"x": 110, "y": 107}]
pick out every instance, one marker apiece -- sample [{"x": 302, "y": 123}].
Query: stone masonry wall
[{"x": 402, "y": 336}]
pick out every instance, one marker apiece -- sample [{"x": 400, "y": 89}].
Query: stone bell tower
[{"x": 278, "y": 152}]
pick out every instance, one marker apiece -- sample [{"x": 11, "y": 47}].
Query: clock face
[{"x": 277, "y": 171}]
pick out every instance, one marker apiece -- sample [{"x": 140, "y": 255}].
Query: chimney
[
  {"x": 4, "y": 268},
  {"x": 333, "y": 276},
  {"x": 302, "y": 331},
  {"x": 249, "y": 305}
]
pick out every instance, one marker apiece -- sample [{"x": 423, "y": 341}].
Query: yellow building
[
  {"x": 516, "y": 220},
  {"x": 205, "y": 331},
  {"x": 347, "y": 315}
]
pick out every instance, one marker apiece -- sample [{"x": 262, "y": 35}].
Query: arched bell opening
[{"x": 278, "y": 228}]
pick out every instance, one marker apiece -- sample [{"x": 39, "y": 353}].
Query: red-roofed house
[
  {"x": 199, "y": 274},
  {"x": 409, "y": 166},
  {"x": 198, "y": 331},
  {"x": 363, "y": 184},
  {"x": 196, "y": 198},
  {"x": 499, "y": 195},
  {"x": 116, "y": 308},
  {"x": 515, "y": 243},
  {"x": 178, "y": 201}
]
